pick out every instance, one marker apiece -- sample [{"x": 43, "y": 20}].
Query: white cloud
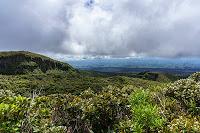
[{"x": 102, "y": 27}]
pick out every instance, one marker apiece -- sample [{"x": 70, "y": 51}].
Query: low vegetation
[{"x": 71, "y": 101}]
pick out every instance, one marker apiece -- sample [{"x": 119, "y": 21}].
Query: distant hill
[
  {"x": 21, "y": 62},
  {"x": 153, "y": 76}
]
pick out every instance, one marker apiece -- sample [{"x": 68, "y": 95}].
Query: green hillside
[
  {"x": 41, "y": 95},
  {"x": 20, "y": 62},
  {"x": 25, "y": 72}
]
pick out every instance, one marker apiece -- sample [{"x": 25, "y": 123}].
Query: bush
[
  {"x": 12, "y": 112},
  {"x": 184, "y": 124},
  {"x": 187, "y": 92},
  {"x": 146, "y": 117},
  {"x": 97, "y": 112}
]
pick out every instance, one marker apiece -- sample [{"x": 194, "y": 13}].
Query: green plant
[
  {"x": 184, "y": 124},
  {"x": 187, "y": 92},
  {"x": 146, "y": 117}
]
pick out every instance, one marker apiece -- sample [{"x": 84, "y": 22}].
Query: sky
[{"x": 114, "y": 28}]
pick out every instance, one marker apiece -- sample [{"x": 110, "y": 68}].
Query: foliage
[
  {"x": 187, "y": 92},
  {"x": 113, "y": 108},
  {"x": 184, "y": 124},
  {"x": 61, "y": 99},
  {"x": 180, "y": 105},
  {"x": 88, "y": 112},
  {"x": 59, "y": 82},
  {"x": 146, "y": 117}
]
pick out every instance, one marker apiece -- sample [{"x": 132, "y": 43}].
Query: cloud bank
[{"x": 102, "y": 27}]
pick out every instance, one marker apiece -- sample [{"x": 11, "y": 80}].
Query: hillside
[
  {"x": 39, "y": 94},
  {"x": 25, "y": 72},
  {"x": 20, "y": 62},
  {"x": 153, "y": 76},
  {"x": 138, "y": 106}
]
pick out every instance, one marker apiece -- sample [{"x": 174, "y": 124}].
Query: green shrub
[
  {"x": 146, "y": 117},
  {"x": 195, "y": 77},
  {"x": 97, "y": 112},
  {"x": 184, "y": 124},
  {"x": 12, "y": 112},
  {"x": 187, "y": 92}
]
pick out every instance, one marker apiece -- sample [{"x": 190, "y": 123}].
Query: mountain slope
[
  {"x": 25, "y": 72},
  {"x": 20, "y": 62}
]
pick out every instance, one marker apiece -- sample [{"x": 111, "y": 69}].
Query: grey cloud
[
  {"x": 100, "y": 27},
  {"x": 26, "y": 26}
]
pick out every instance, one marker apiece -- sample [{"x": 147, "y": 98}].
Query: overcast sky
[{"x": 161, "y": 28}]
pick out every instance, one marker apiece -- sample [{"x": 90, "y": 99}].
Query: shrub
[
  {"x": 184, "y": 124},
  {"x": 146, "y": 117},
  {"x": 187, "y": 92},
  {"x": 12, "y": 112},
  {"x": 97, "y": 112}
]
